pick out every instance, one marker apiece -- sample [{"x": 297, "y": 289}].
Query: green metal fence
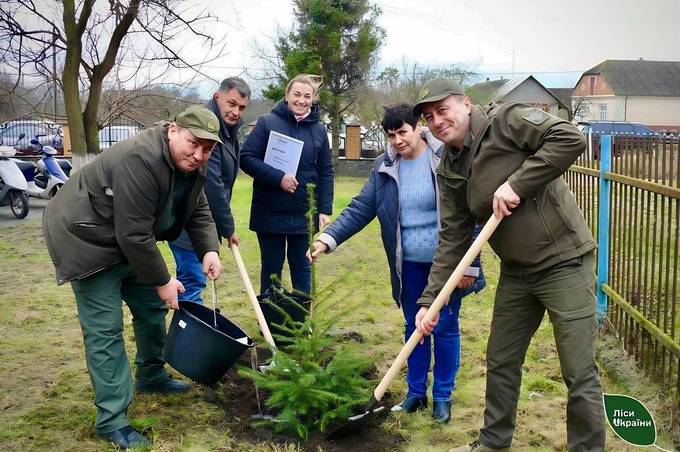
[{"x": 637, "y": 179}]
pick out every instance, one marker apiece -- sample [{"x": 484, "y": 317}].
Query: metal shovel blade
[
  {"x": 356, "y": 423},
  {"x": 263, "y": 417}
]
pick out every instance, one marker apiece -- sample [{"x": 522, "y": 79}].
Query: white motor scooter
[
  {"x": 13, "y": 186},
  {"x": 47, "y": 175}
]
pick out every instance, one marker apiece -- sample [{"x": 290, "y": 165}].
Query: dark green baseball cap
[
  {"x": 201, "y": 122},
  {"x": 436, "y": 89}
]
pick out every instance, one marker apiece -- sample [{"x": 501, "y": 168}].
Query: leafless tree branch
[{"x": 88, "y": 43}]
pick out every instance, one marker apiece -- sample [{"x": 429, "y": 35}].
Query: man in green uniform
[
  {"x": 101, "y": 231},
  {"x": 508, "y": 160}
]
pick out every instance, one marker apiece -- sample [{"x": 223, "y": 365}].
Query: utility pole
[
  {"x": 54, "y": 69},
  {"x": 513, "y": 63}
]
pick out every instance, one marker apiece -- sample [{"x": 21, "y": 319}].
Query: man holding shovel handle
[{"x": 507, "y": 160}]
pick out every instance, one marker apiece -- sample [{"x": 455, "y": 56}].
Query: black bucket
[
  {"x": 197, "y": 349},
  {"x": 274, "y": 317}
]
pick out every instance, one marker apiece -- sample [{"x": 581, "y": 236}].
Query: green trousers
[
  {"x": 566, "y": 291},
  {"x": 99, "y": 299}
]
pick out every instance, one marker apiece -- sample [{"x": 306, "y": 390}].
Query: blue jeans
[
  {"x": 446, "y": 337},
  {"x": 189, "y": 273},
  {"x": 273, "y": 253}
]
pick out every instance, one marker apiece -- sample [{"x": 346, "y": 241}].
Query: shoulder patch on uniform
[{"x": 535, "y": 116}]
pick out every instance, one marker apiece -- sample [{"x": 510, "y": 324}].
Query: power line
[
  {"x": 527, "y": 72},
  {"x": 419, "y": 72}
]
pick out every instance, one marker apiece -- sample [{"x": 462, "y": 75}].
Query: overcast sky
[{"x": 554, "y": 40}]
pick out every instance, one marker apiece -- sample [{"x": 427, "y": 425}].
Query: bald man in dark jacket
[{"x": 228, "y": 103}]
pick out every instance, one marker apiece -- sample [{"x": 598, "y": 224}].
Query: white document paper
[
  {"x": 283, "y": 152},
  {"x": 472, "y": 271}
]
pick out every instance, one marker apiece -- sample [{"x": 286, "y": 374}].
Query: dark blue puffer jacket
[
  {"x": 220, "y": 175},
  {"x": 274, "y": 210},
  {"x": 380, "y": 197}
]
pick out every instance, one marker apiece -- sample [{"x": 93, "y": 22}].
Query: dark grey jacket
[
  {"x": 221, "y": 172},
  {"x": 106, "y": 213}
]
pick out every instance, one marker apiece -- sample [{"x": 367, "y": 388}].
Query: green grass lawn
[{"x": 46, "y": 400}]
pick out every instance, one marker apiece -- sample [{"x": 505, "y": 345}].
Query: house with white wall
[{"x": 641, "y": 91}]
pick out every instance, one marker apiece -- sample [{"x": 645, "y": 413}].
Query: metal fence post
[{"x": 603, "y": 227}]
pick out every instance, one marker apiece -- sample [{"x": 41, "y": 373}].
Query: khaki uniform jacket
[
  {"x": 106, "y": 213},
  {"x": 531, "y": 150}
]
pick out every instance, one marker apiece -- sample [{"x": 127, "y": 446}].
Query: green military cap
[
  {"x": 201, "y": 122},
  {"x": 436, "y": 89}
]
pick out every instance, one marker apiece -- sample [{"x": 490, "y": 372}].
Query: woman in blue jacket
[
  {"x": 279, "y": 205},
  {"x": 402, "y": 192}
]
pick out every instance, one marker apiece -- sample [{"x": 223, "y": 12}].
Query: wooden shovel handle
[
  {"x": 439, "y": 301},
  {"x": 251, "y": 296}
]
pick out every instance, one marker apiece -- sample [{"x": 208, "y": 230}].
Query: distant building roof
[
  {"x": 484, "y": 92},
  {"x": 563, "y": 94},
  {"x": 508, "y": 87},
  {"x": 640, "y": 77},
  {"x": 494, "y": 90}
]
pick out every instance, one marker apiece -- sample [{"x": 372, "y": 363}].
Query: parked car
[
  {"x": 638, "y": 135},
  {"x": 46, "y": 132},
  {"x": 615, "y": 127},
  {"x": 113, "y": 134}
]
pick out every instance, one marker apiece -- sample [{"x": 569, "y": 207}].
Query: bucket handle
[{"x": 213, "y": 289}]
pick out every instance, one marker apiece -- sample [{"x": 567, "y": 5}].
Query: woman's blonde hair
[{"x": 315, "y": 81}]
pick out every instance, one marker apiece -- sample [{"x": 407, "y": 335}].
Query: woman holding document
[{"x": 287, "y": 149}]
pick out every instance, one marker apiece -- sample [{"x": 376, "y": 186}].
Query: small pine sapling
[
  {"x": 312, "y": 222},
  {"x": 316, "y": 381}
]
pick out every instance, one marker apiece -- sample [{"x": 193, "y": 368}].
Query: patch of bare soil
[{"x": 236, "y": 396}]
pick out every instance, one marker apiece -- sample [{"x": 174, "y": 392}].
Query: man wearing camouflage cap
[
  {"x": 101, "y": 231},
  {"x": 508, "y": 160}
]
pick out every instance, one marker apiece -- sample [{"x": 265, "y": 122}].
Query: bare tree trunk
[
  {"x": 74, "y": 115},
  {"x": 69, "y": 79},
  {"x": 90, "y": 114}
]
